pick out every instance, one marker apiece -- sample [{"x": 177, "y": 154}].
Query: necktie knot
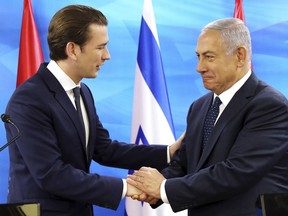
[{"x": 217, "y": 102}]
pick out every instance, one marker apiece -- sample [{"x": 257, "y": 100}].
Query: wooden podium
[{"x": 20, "y": 209}]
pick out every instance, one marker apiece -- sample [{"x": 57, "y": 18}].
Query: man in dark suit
[
  {"x": 245, "y": 154},
  {"x": 49, "y": 163}
]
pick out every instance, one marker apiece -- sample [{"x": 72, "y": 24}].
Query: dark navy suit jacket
[
  {"x": 49, "y": 164},
  {"x": 246, "y": 154}
]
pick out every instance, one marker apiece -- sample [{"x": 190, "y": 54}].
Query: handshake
[{"x": 144, "y": 185}]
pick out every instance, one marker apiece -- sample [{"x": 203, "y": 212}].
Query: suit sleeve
[
  {"x": 127, "y": 156},
  {"x": 119, "y": 154}
]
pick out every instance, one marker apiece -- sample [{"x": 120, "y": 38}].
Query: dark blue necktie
[
  {"x": 210, "y": 121},
  {"x": 76, "y": 92}
]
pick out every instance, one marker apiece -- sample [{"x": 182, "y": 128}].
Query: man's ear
[
  {"x": 241, "y": 54},
  {"x": 72, "y": 50}
]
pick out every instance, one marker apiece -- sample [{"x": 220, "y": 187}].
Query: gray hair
[{"x": 234, "y": 34}]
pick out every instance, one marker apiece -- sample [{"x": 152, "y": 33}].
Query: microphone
[{"x": 6, "y": 119}]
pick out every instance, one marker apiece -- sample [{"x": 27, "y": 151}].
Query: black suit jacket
[
  {"x": 48, "y": 163},
  {"x": 246, "y": 154}
]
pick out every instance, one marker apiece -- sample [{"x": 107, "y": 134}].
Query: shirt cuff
[
  {"x": 163, "y": 192},
  {"x": 124, "y": 188},
  {"x": 168, "y": 155}
]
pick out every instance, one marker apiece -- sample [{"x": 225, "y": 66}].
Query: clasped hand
[{"x": 144, "y": 185}]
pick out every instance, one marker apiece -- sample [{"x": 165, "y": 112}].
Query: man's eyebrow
[
  {"x": 103, "y": 44},
  {"x": 205, "y": 53}
]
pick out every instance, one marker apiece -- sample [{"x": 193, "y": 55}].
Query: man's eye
[{"x": 210, "y": 57}]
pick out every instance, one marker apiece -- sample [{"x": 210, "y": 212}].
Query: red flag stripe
[
  {"x": 30, "y": 51},
  {"x": 239, "y": 11}
]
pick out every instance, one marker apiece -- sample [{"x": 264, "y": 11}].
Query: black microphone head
[{"x": 5, "y": 118}]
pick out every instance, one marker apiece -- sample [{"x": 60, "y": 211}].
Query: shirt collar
[
  {"x": 227, "y": 95},
  {"x": 66, "y": 82}
]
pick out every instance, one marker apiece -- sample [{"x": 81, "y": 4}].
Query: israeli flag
[{"x": 152, "y": 121}]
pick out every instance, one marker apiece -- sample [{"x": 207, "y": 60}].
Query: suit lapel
[{"x": 62, "y": 98}]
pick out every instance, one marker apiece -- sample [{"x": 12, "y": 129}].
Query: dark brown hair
[{"x": 71, "y": 24}]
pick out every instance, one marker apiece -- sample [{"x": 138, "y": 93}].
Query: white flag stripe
[
  {"x": 145, "y": 105},
  {"x": 148, "y": 15},
  {"x": 133, "y": 208}
]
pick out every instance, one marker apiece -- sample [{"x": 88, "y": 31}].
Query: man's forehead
[
  {"x": 209, "y": 34},
  {"x": 209, "y": 38}
]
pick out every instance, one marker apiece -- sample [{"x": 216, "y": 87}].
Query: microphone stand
[{"x": 6, "y": 119}]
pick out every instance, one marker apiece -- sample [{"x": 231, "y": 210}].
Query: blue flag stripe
[{"x": 150, "y": 64}]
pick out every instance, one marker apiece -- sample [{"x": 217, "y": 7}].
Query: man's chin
[
  {"x": 95, "y": 74},
  {"x": 92, "y": 76}
]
